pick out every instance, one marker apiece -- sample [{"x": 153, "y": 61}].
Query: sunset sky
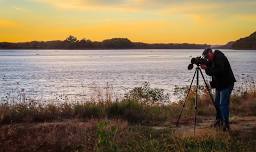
[{"x": 192, "y": 21}]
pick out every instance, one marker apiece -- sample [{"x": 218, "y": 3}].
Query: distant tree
[
  {"x": 71, "y": 42},
  {"x": 85, "y": 43},
  {"x": 117, "y": 43},
  {"x": 71, "y": 39}
]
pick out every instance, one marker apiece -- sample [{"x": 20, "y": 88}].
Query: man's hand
[{"x": 203, "y": 66}]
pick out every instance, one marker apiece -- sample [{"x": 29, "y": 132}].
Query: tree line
[{"x": 71, "y": 42}]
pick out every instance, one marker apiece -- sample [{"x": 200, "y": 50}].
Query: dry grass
[
  {"x": 58, "y": 136},
  {"x": 119, "y": 126},
  {"x": 128, "y": 109},
  {"x": 107, "y": 136}
]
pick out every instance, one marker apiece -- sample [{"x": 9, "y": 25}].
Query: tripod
[{"x": 196, "y": 74}]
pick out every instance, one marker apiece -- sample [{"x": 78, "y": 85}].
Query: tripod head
[{"x": 197, "y": 61}]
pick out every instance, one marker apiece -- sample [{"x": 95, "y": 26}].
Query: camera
[{"x": 197, "y": 61}]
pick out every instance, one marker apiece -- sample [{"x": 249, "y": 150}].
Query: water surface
[{"x": 66, "y": 74}]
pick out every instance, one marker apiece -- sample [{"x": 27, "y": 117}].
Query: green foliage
[
  {"x": 135, "y": 112},
  {"x": 146, "y": 94},
  {"x": 117, "y": 43},
  {"x": 129, "y": 110},
  {"x": 89, "y": 110},
  {"x": 204, "y": 144},
  {"x": 106, "y": 137},
  {"x": 71, "y": 39},
  {"x": 140, "y": 106}
]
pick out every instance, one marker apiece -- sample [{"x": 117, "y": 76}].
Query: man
[{"x": 223, "y": 81}]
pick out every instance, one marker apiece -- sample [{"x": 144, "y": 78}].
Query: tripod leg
[
  {"x": 208, "y": 89},
  {"x": 196, "y": 100},
  {"x": 184, "y": 103}
]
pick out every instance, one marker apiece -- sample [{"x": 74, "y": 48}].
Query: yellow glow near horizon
[{"x": 139, "y": 20}]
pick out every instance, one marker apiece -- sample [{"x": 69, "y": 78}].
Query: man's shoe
[{"x": 226, "y": 127}]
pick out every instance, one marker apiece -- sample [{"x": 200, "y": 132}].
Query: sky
[{"x": 151, "y": 21}]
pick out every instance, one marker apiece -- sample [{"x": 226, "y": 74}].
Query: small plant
[
  {"x": 106, "y": 137},
  {"x": 146, "y": 94}
]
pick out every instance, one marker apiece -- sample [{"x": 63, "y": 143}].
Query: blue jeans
[{"x": 222, "y": 98}]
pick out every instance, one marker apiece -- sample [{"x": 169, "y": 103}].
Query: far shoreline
[{"x": 72, "y": 43}]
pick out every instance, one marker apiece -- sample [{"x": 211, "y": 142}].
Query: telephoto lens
[
  {"x": 197, "y": 61},
  {"x": 190, "y": 66}
]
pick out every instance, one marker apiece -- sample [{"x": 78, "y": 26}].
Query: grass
[
  {"x": 132, "y": 109},
  {"x": 115, "y": 135},
  {"x": 124, "y": 125}
]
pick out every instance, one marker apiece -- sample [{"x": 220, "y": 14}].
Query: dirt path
[{"x": 243, "y": 125}]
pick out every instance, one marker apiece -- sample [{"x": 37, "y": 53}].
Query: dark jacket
[{"x": 221, "y": 72}]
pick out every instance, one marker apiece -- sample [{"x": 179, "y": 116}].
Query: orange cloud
[
  {"x": 5, "y": 23},
  {"x": 121, "y": 5}
]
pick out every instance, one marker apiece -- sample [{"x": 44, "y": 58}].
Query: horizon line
[{"x": 115, "y": 38}]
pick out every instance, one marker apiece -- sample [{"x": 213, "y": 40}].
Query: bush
[
  {"x": 89, "y": 110},
  {"x": 129, "y": 110},
  {"x": 106, "y": 137},
  {"x": 148, "y": 95}
]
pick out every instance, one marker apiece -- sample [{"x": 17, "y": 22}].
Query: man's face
[{"x": 210, "y": 56}]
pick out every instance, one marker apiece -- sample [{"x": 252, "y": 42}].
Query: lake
[{"x": 59, "y": 75}]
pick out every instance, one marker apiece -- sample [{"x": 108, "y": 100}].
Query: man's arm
[
  {"x": 208, "y": 71},
  {"x": 218, "y": 68},
  {"x": 207, "y": 68}
]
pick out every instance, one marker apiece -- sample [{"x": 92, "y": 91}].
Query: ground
[
  {"x": 245, "y": 125},
  {"x": 77, "y": 135}
]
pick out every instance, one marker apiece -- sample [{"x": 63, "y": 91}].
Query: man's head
[{"x": 208, "y": 54}]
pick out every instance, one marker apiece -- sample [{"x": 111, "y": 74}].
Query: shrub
[
  {"x": 106, "y": 137},
  {"x": 148, "y": 95},
  {"x": 89, "y": 110}
]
